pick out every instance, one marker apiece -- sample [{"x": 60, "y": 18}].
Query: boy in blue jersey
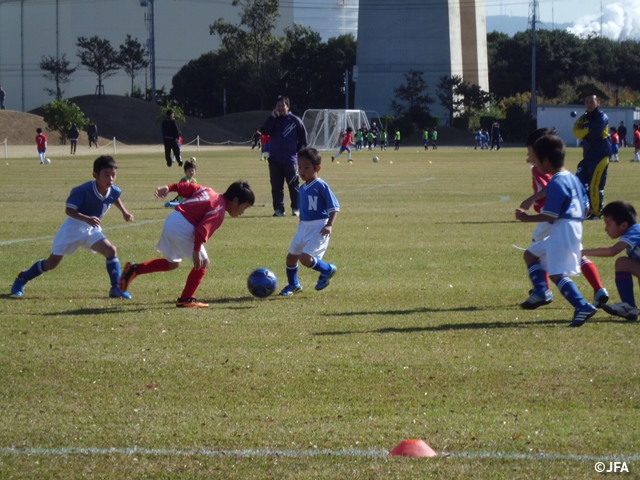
[
  {"x": 86, "y": 205},
  {"x": 620, "y": 222},
  {"x": 558, "y": 254},
  {"x": 318, "y": 211}
]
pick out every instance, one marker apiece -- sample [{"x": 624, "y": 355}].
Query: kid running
[
  {"x": 318, "y": 211},
  {"x": 86, "y": 205},
  {"x": 345, "y": 140}
]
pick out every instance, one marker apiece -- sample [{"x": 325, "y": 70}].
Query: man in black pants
[{"x": 171, "y": 135}]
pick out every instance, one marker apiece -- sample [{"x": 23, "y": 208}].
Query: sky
[{"x": 620, "y": 20}]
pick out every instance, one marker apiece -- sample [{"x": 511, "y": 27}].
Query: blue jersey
[
  {"x": 593, "y": 129},
  {"x": 316, "y": 201},
  {"x": 288, "y": 137},
  {"x": 632, "y": 237},
  {"x": 566, "y": 197},
  {"x": 87, "y": 200}
]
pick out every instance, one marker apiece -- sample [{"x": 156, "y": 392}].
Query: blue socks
[
  {"x": 292, "y": 274},
  {"x": 34, "y": 271},
  {"x": 113, "y": 269},
  {"x": 624, "y": 282},
  {"x": 570, "y": 292},
  {"x": 320, "y": 266},
  {"x": 538, "y": 277}
]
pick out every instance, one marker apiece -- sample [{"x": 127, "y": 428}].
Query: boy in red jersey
[
  {"x": 345, "y": 141},
  {"x": 41, "y": 144},
  {"x": 636, "y": 143},
  {"x": 615, "y": 145},
  {"x": 543, "y": 229},
  {"x": 186, "y": 230}
]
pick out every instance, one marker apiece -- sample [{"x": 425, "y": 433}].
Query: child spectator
[
  {"x": 559, "y": 253},
  {"x": 255, "y": 138},
  {"x": 478, "y": 140},
  {"x": 86, "y": 205},
  {"x": 383, "y": 140},
  {"x": 620, "y": 222},
  {"x": 187, "y": 229},
  {"x": 346, "y": 139},
  {"x": 485, "y": 140},
  {"x": 396, "y": 144},
  {"x": 359, "y": 139},
  {"x": 189, "y": 177},
  {"x": 425, "y": 138},
  {"x": 318, "y": 211},
  {"x": 370, "y": 138},
  {"x": 636, "y": 143},
  {"x": 41, "y": 144},
  {"x": 615, "y": 145},
  {"x": 434, "y": 138}
]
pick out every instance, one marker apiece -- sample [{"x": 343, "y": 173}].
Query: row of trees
[{"x": 100, "y": 58}]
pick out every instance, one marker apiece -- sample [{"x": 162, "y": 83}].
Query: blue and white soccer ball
[{"x": 262, "y": 282}]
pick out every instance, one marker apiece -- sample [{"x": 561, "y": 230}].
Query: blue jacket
[
  {"x": 593, "y": 129},
  {"x": 288, "y": 137}
]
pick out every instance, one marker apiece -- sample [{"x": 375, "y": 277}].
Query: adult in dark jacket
[
  {"x": 92, "y": 133},
  {"x": 288, "y": 137},
  {"x": 73, "y": 134},
  {"x": 171, "y": 136}
]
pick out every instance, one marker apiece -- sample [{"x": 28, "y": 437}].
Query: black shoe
[
  {"x": 180, "y": 163},
  {"x": 169, "y": 163}
]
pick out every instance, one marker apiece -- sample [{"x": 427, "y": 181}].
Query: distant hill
[{"x": 512, "y": 25}]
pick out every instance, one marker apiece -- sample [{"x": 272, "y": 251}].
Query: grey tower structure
[{"x": 435, "y": 37}]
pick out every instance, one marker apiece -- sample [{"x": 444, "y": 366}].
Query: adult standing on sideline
[
  {"x": 593, "y": 129},
  {"x": 171, "y": 138},
  {"x": 495, "y": 135},
  {"x": 92, "y": 133},
  {"x": 3, "y": 95},
  {"x": 73, "y": 134},
  {"x": 288, "y": 137},
  {"x": 622, "y": 134}
]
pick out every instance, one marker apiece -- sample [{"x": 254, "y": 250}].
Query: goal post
[{"x": 325, "y": 126}]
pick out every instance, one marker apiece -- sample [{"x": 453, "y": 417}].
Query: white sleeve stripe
[{"x": 551, "y": 214}]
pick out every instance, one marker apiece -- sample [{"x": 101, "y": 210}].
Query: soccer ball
[
  {"x": 376, "y": 159},
  {"x": 47, "y": 161},
  {"x": 262, "y": 282},
  {"x": 574, "y": 114}
]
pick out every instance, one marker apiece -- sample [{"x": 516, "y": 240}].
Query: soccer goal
[{"x": 326, "y": 126}]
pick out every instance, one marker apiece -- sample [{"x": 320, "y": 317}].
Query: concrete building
[
  {"x": 434, "y": 37},
  {"x": 30, "y": 29}
]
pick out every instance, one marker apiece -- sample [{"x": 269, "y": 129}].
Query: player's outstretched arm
[
  {"x": 606, "y": 251},
  {"x": 162, "y": 192},
  {"x": 527, "y": 203},
  {"x": 125, "y": 214}
]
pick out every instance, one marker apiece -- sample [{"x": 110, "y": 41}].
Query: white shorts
[
  {"x": 176, "y": 240},
  {"x": 309, "y": 240},
  {"x": 560, "y": 253},
  {"x": 73, "y": 234},
  {"x": 542, "y": 231}
]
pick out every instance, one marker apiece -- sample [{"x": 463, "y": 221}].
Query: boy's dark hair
[
  {"x": 240, "y": 190},
  {"x": 635, "y": 126},
  {"x": 312, "y": 155},
  {"x": 551, "y": 148},
  {"x": 38, "y": 130},
  {"x": 620, "y": 211},
  {"x": 169, "y": 112},
  {"x": 613, "y": 130},
  {"x": 539, "y": 133},
  {"x": 189, "y": 164},
  {"x": 103, "y": 162},
  {"x": 282, "y": 98},
  {"x": 349, "y": 129}
]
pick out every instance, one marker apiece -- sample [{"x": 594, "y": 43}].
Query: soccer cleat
[
  {"x": 190, "y": 303},
  {"x": 279, "y": 213},
  {"x": 600, "y": 298},
  {"x": 17, "y": 288},
  {"x": 537, "y": 300},
  {"x": 179, "y": 163},
  {"x": 295, "y": 213},
  {"x": 169, "y": 162},
  {"x": 117, "y": 293},
  {"x": 323, "y": 281},
  {"x": 127, "y": 276},
  {"x": 289, "y": 290},
  {"x": 582, "y": 314},
  {"x": 623, "y": 310},
  {"x": 333, "y": 158}
]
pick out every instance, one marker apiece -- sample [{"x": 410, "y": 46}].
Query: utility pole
[
  {"x": 533, "y": 20},
  {"x": 346, "y": 89},
  {"x": 151, "y": 44}
]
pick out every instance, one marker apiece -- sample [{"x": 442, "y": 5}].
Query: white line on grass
[
  {"x": 207, "y": 452},
  {"x": 376, "y": 187},
  {"x": 106, "y": 229}
]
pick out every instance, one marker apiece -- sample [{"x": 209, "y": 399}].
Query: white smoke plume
[{"x": 620, "y": 21}]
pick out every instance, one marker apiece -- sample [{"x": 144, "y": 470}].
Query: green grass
[{"x": 419, "y": 334}]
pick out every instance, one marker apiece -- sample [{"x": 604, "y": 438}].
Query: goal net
[{"x": 326, "y": 126}]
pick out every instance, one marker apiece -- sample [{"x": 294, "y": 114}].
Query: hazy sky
[{"x": 619, "y": 19}]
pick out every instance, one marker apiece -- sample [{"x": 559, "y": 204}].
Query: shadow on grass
[
  {"x": 488, "y": 222},
  {"x": 93, "y": 311}
]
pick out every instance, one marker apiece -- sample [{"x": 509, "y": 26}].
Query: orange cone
[{"x": 413, "y": 448}]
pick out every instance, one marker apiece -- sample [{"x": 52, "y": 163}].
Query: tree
[
  {"x": 132, "y": 57},
  {"x": 99, "y": 57},
  {"x": 253, "y": 44},
  {"x": 60, "y": 115},
  {"x": 446, "y": 93},
  {"x": 177, "y": 111},
  {"x": 412, "y": 99},
  {"x": 59, "y": 72}
]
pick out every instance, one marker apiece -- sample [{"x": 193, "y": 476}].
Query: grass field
[{"x": 419, "y": 335}]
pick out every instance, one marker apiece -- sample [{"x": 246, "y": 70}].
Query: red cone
[{"x": 413, "y": 448}]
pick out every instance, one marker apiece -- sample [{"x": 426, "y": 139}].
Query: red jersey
[
  {"x": 202, "y": 207},
  {"x": 41, "y": 141},
  {"x": 615, "y": 139},
  {"x": 540, "y": 181},
  {"x": 346, "y": 139},
  {"x": 264, "y": 140},
  {"x": 636, "y": 138}
]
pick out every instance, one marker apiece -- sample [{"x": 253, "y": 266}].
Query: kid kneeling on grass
[
  {"x": 86, "y": 205},
  {"x": 559, "y": 253},
  {"x": 620, "y": 222},
  {"x": 185, "y": 231}
]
